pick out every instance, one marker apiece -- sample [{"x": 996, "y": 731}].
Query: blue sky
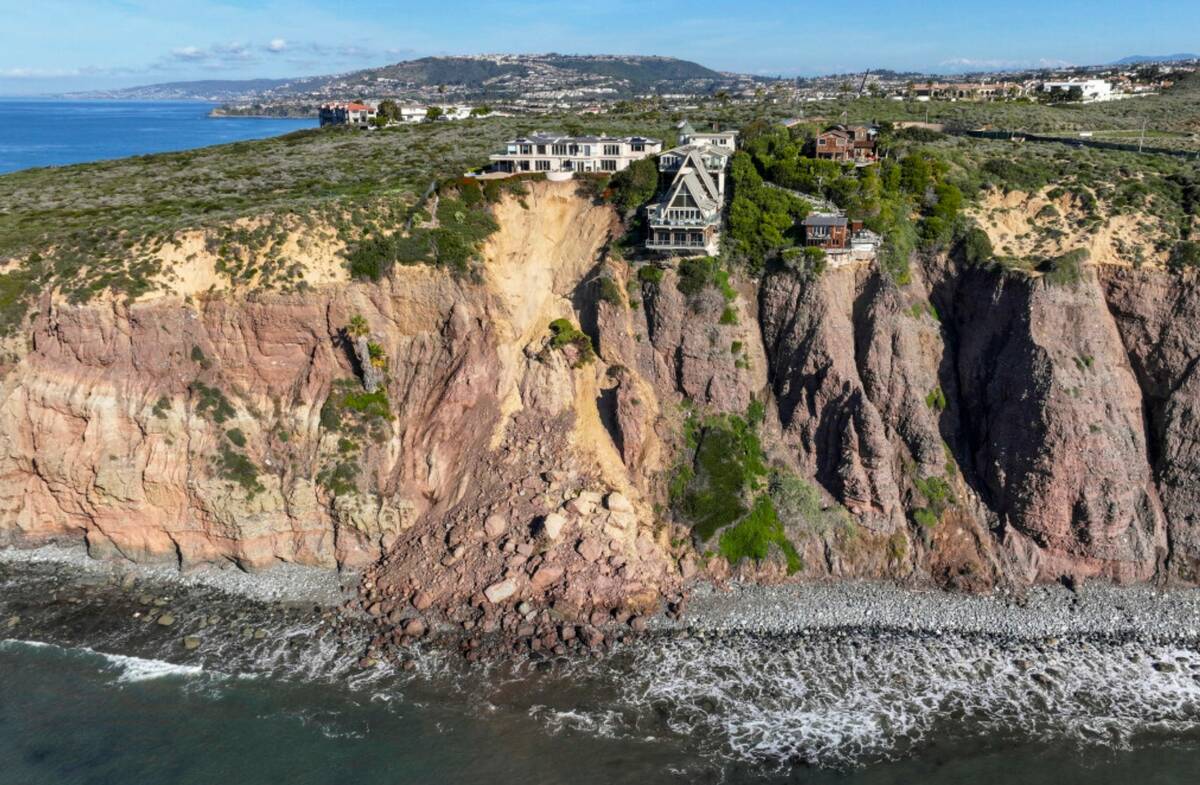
[{"x": 55, "y": 45}]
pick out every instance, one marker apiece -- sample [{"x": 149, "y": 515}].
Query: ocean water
[
  {"x": 829, "y": 710},
  {"x": 55, "y": 133}
]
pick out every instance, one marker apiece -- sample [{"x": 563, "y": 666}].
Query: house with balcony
[
  {"x": 542, "y": 152},
  {"x": 686, "y": 218},
  {"x": 848, "y": 143},
  {"x": 355, "y": 114},
  {"x": 826, "y": 230}
]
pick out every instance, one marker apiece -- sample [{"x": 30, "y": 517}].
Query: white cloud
[
  {"x": 277, "y": 45},
  {"x": 37, "y": 73},
  {"x": 988, "y": 64},
  {"x": 188, "y": 53}
]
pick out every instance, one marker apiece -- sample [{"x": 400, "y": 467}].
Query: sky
[{"x": 49, "y": 46}]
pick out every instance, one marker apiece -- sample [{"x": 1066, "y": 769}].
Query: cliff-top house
[
  {"x": 686, "y": 217},
  {"x": 541, "y": 152}
]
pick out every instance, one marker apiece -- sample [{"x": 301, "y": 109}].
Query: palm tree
[
  {"x": 377, "y": 354},
  {"x": 358, "y": 326}
]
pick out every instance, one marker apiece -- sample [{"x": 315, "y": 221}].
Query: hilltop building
[
  {"x": 1090, "y": 89},
  {"x": 967, "y": 91},
  {"x": 686, "y": 218},
  {"x": 355, "y": 114},
  {"x": 850, "y": 143},
  {"x": 543, "y": 152}
]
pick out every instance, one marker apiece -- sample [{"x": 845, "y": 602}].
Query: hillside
[{"x": 466, "y": 76}]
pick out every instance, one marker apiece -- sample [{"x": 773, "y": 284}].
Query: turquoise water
[{"x": 55, "y": 133}]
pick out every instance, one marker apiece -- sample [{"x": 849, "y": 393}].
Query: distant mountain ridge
[
  {"x": 468, "y": 76},
  {"x": 1140, "y": 59}
]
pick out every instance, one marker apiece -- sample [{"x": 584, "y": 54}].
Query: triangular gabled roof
[
  {"x": 696, "y": 164},
  {"x": 688, "y": 179},
  {"x": 686, "y": 129}
]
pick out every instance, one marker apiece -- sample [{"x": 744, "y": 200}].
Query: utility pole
[{"x": 1142, "y": 138}]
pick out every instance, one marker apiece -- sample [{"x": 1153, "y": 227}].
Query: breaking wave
[{"x": 842, "y": 701}]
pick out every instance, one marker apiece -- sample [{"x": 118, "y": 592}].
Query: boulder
[
  {"x": 165, "y": 620},
  {"x": 545, "y": 576},
  {"x": 590, "y": 550},
  {"x": 191, "y": 642},
  {"x": 495, "y": 526},
  {"x": 501, "y": 591},
  {"x": 552, "y": 525},
  {"x": 616, "y": 502}
]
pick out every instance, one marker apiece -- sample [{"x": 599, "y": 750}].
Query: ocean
[
  {"x": 93, "y": 692},
  {"x": 45, "y": 132}
]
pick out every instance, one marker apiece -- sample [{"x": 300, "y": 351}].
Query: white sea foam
[
  {"x": 131, "y": 669},
  {"x": 135, "y": 669},
  {"x": 842, "y": 701}
]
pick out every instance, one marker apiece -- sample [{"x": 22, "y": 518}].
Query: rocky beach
[{"x": 745, "y": 681}]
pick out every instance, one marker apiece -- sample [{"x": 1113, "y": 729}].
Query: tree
[
  {"x": 358, "y": 326},
  {"x": 388, "y": 110},
  {"x": 433, "y": 113},
  {"x": 635, "y": 185}
]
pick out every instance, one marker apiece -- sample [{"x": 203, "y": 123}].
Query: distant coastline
[{"x": 86, "y": 131}]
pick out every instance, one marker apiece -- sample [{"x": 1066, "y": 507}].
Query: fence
[{"x": 1076, "y": 142}]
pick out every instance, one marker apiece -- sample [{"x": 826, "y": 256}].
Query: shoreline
[{"x": 1037, "y": 613}]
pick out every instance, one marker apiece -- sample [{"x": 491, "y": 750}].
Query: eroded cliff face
[{"x": 978, "y": 427}]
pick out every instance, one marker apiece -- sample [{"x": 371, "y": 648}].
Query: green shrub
[
  {"x": 753, "y": 536},
  {"x": 650, "y": 274},
  {"x": 211, "y": 403},
  {"x": 237, "y": 468},
  {"x": 564, "y": 334},
  {"x": 729, "y": 315},
  {"x": 936, "y": 399},
  {"x": 1186, "y": 254},
  {"x": 609, "y": 291},
  {"x": 635, "y": 185},
  {"x": 236, "y": 436},
  {"x": 1065, "y": 270},
  {"x": 925, "y": 517},
  {"x": 977, "y": 247}
]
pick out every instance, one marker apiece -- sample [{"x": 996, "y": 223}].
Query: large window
[
  {"x": 612, "y": 149},
  {"x": 558, "y": 149},
  {"x": 526, "y": 149},
  {"x": 542, "y": 165},
  {"x": 608, "y": 165}
]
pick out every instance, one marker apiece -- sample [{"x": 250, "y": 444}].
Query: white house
[
  {"x": 541, "y": 152},
  {"x": 413, "y": 114},
  {"x": 1093, "y": 89}
]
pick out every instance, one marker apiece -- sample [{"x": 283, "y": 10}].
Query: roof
[
  {"x": 690, "y": 180},
  {"x": 358, "y": 107},
  {"x": 835, "y": 132},
  {"x": 824, "y": 219},
  {"x": 541, "y": 137}
]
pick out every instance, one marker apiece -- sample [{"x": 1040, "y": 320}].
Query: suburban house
[
  {"x": 1090, "y": 89},
  {"x": 851, "y": 143},
  {"x": 355, "y": 114},
  {"x": 686, "y": 218},
  {"x": 413, "y": 114},
  {"x": 542, "y": 152}
]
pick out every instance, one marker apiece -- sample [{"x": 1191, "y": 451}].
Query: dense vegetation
[{"x": 720, "y": 486}]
